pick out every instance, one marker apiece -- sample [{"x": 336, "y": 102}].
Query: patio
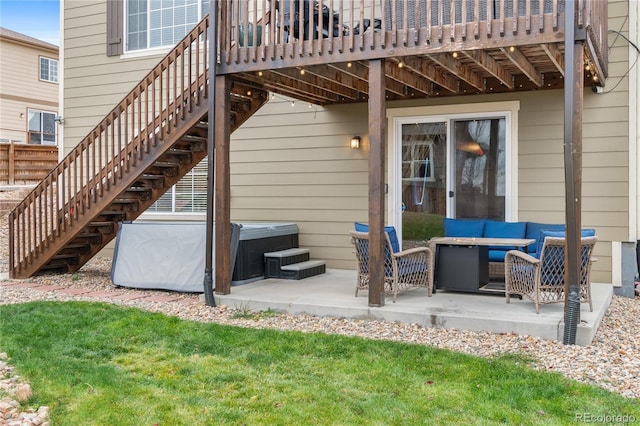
[{"x": 332, "y": 294}]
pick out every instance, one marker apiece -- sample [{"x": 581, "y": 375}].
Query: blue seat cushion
[
  {"x": 407, "y": 267},
  {"x": 390, "y": 230},
  {"x": 497, "y": 255},
  {"x": 464, "y": 228}
]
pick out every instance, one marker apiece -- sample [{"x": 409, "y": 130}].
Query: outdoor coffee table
[{"x": 462, "y": 264}]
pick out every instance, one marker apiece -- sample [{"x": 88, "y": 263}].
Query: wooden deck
[{"x": 432, "y": 48}]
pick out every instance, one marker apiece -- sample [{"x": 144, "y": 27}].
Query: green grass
[
  {"x": 98, "y": 364},
  {"x": 421, "y": 226}
]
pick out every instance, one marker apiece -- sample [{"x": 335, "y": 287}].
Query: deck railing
[
  {"x": 269, "y": 34},
  {"x": 122, "y": 139}
]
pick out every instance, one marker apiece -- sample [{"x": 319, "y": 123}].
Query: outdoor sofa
[{"x": 487, "y": 228}]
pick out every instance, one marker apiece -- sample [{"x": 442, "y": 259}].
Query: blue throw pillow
[
  {"x": 586, "y": 232},
  {"x": 533, "y": 232},
  {"x": 464, "y": 228},
  {"x": 390, "y": 230}
]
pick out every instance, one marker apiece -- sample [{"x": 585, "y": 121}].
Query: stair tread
[
  {"x": 165, "y": 164},
  {"x": 75, "y": 246},
  {"x": 65, "y": 256},
  {"x": 303, "y": 265},
  {"x": 287, "y": 252}
]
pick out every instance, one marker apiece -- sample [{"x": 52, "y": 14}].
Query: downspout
[
  {"x": 213, "y": 59},
  {"x": 634, "y": 129}
]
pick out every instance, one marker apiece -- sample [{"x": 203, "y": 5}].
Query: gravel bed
[{"x": 611, "y": 362}]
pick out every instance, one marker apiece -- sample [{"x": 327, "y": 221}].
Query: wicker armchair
[
  {"x": 542, "y": 280},
  {"x": 403, "y": 270}
]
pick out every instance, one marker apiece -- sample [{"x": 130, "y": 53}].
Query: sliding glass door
[
  {"x": 424, "y": 178},
  {"x": 449, "y": 167},
  {"x": 479, "y": 168}
]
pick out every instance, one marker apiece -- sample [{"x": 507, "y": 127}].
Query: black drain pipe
[{"x": 213, "y": 59}]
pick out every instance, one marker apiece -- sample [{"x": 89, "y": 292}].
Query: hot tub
[
  {"x": 170, "y": 255},
  {"x": 255, "y": 240}
]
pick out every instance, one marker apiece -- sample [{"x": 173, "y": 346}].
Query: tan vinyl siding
[
  {"x": 94, "y": 83},
  {"x": 294, "y": 164}
]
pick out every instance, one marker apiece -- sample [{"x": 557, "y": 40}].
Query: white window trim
[
  {"x": 150, "y": 51},
  {"x": 40, "y": 111},
  {"x": 40, "y": 58},
  {"x": 398, "y": 116}
]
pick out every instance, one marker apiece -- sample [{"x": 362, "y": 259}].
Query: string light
[
  {"x": 400, "y": 64},
  {"x": 512, "y": 49},
  {"x": 349, "y": 64},
  {"x": 455, "y": 54},
  {"x": 259, "y": 73},
  {"x": 302, "y": 71}
]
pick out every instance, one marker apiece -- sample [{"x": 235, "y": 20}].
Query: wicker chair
[
  {"x": 542, "y": 280},
  {"x": 403, "y": 270}
]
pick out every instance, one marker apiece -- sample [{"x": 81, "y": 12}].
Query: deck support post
[
  {"x": 377, "y": 120},
  {"x": 573, "y": 109},
  {"x": 222, "y": 114}
]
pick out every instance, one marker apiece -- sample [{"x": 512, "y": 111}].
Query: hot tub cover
[{"x": 163, "y": 255}]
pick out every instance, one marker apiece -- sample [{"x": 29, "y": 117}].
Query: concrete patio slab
[{"x": 332, "y": 294}]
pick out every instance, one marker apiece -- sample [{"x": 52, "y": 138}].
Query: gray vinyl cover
[{"x": 164, "y": 256}]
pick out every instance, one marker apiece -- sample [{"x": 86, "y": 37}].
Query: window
[
  {"x": 161, "y": 23},
  {"x": 187, "y": 196},
  {"x": 48, "y": 69},
  {"x": 41, "y": 128}
]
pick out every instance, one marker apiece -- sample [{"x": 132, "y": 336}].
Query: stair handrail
[{"x": 121, "y": 139}]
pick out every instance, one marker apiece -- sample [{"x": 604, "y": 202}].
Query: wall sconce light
[
  {"x": 355, "y": 142},
  {"x": 22, "y": 115}
]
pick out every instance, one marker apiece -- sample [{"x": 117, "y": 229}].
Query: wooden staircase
[{"x": 146, "y": 144}]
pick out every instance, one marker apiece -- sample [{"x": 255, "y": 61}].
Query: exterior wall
[
  {"x": 20, "y": 87},
  {"x": 93, "y": 82},
  {"x": 294, "y": 164}
]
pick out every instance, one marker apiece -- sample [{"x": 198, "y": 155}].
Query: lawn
[
  {"x": 421, "y": 226},
  {"x": 100, "y": 364}
]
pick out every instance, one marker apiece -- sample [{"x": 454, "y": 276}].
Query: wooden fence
[{"x": 22, "y": 164}]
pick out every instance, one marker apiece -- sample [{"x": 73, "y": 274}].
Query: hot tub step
[
  {"x": 298, "y": 271},
  {"x": 275, "y": 260}
]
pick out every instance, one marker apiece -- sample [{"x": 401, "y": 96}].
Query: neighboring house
[
  {"x": 500, "y": 153},
  {"x": 29, "y": 81}
]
